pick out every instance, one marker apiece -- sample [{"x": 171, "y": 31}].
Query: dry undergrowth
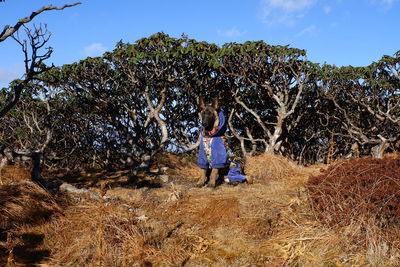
[
  {"x": 357, "y": 189},
  {"x": 22, "y": 204},
  {"x": 269, "y": 223}
]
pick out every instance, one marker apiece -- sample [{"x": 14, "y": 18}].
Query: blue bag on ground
[{"x": 234, "y": 174}]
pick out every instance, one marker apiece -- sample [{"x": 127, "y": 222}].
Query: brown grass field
[{"x": 273, "y": 222}]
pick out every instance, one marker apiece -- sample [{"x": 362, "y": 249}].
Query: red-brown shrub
[{"x": 357, "y": 189}]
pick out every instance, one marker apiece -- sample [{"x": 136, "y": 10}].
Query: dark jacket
[{"x": 219, "y": 156}]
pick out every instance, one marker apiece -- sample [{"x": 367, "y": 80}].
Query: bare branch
[
  {"x": 8, "y": 31},
  {"x": 252, "y": 112},
  {"x": 33, "y": 63}
]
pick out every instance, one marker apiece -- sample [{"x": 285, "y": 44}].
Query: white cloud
[
  {"x": 284, "y": 11},
  {"x": 290, "y": 5},
  {"x": 327, "y": 9},
  {"x": 310, "y": 29},
  {"x": 233, "y": 32},
  {"x": 94, "y": 50},
  {"x": 387, "y": 3}
]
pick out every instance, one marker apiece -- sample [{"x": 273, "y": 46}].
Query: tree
[
  {"x": 269, "y": 82},
  {"x": 140, "y": 99},
  {"x": 34, "y": 64},
  {"x": 366, "y": 103}
]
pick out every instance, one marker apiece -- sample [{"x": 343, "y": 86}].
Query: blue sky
[{"x": 340, "y": 32}]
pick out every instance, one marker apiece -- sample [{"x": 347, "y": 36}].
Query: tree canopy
[{"x": 140, "y": 99}]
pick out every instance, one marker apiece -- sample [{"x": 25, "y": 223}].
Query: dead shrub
[{"x": 357, "y": 190}]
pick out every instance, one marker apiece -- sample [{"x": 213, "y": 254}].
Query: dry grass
[
  {"x": 358, "y": 189},
  {"x": 22, "y": 201},
  {"x": 267, "y": 167},
  {"x": 22, "y": 204},
  {"x": 269, "y": 223}
]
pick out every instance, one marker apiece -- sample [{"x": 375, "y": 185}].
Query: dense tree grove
[{"x": 141, "y": 98}]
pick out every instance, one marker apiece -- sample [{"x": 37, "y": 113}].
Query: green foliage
[{"x": 141, "y": 98}]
